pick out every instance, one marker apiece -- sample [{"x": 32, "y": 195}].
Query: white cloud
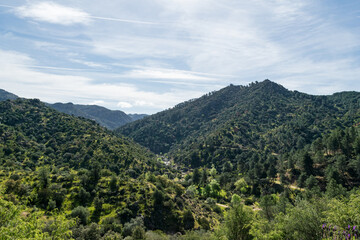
[
  {"x": 124, "y": 105},
  {"x": 169, "y": 74},
  {"x": 97, "y": 102},
  {"x": 300, "y": 44},
  {"x": 88, "y": 63},
  {"x": 17, "y": 76},
  {"x": 144, "y": 104},
  {"x": 53, "y": 13}
]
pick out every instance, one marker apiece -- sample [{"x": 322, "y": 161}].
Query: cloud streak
[
  {"x": 179, "y": 49},
  {"x": 52, "y": 87},
  {"x": 53, "y": 13},
  {"x": 58, "y": 14}
]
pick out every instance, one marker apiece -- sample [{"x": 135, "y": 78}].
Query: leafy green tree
[
  {"x": 113, "y": 184},
  {"x": 267, "y": 205},
  {"x": 83, "y": 196},
  {"x": 302, "y": 221},
  {"x": 235, "y": 199},
  {"x": 95, "y": 217},
  {"x": 196, "y": 176},
  {"x": 138, "y": 233},
  {"x": 44, "y": 178},
  {"x": 188, "y": 220},
  {"x": 238, "y": 223},
  {"x": 81, "y": 213},
  {"x": 204, "y": 176},
  {"x": 306, "y": 163},
  {"x": 334, "y": 190}
]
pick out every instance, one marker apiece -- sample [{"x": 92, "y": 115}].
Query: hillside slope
[
  {"x": 33, "y": 134},
  {"x": 261, "y": 116},
  {"x": 61, "y": 163}
]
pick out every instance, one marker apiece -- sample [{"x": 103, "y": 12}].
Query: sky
[{"x": 144, "y": 56}]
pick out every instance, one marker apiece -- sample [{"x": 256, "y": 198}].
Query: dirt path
[{"x": 222, "y": 205}]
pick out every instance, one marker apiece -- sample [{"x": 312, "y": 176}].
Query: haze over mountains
[{"x": 110, "y": 119}]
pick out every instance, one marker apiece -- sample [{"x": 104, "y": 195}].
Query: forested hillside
[
  {"x": 62, "y": 168},
  {"x": 245, "y": 162},
  {"x": 256, "y": 116}
]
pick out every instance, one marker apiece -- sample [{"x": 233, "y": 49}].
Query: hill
[
  {"x": 105, "y": 117},
  {"x": 110, "y": 119},
  {"x": 251, "y": 115},
  {"x": 33, "y": 134},
  {"x": 53, "y": 164},
  {"x": 4, "y": 95},
  {"x": 249, "y": 129},
  {"x": 266, "y": 162}
]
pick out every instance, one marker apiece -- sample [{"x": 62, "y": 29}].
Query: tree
[
  {"x": 196, "y": 176},
  {"x": 83, "y": 196},
  {"x": 267, "y": 204},
  {"x": 138, "y": 233},
  {"x": 188, "y": 220},
  {"x": 81, "y": 213},
  {"x": 95, "y": 217},
  {"x": 238, "y": 223},
  {"x": 303, "y": 221},
  {"x": 43, "y": 176},
  {"x": 113, "y": 184},
  {"x": 334, "y": 190},
  {"x": 227, "y": 166},
  {"x": 213, "y": 171},
  {"x": 204, "y": 176},
  {"x": 306, "y": 163},
  {"x": 95, "y": 173}
]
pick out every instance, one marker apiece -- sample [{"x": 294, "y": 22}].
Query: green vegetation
[
  {"x": 255, "y": 162},
  {"x": 57, "y": 167}
]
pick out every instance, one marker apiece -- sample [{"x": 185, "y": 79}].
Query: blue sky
[{"x": 146, "y": 56}]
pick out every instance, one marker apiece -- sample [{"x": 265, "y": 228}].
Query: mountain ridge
[
  {"x": 260, "y": 106},
  {"x": 110, "y": 119}
]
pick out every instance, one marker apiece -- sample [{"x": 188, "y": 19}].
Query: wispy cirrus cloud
[
  {"x": 53, "y": 13},
  {"x": 169, "y": 74},
  {"x": 32, "y": 83},
  {"x": 182, "y": 48}
]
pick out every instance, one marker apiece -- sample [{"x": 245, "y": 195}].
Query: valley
[{"x": 245, "y": 162}]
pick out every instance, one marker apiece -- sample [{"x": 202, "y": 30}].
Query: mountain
[
  {"x": 105, "y": 117},
  {"x": 4, "y": 95},
  {"x": 110, "y": 119},
  {"x": 223, "y": 124},
  {"x": 56, "y": 161},
  {"x": 245, "y": 162}
]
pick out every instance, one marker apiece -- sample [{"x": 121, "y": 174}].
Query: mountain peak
[{"x": 271, "y": 87}]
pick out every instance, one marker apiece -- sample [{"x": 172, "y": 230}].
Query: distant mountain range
[
  {"x": 4, "y": 95},
  {"x": 110, "y": 119}
]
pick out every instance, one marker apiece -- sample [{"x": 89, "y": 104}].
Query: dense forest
[{"x": 245, "y": 162}]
